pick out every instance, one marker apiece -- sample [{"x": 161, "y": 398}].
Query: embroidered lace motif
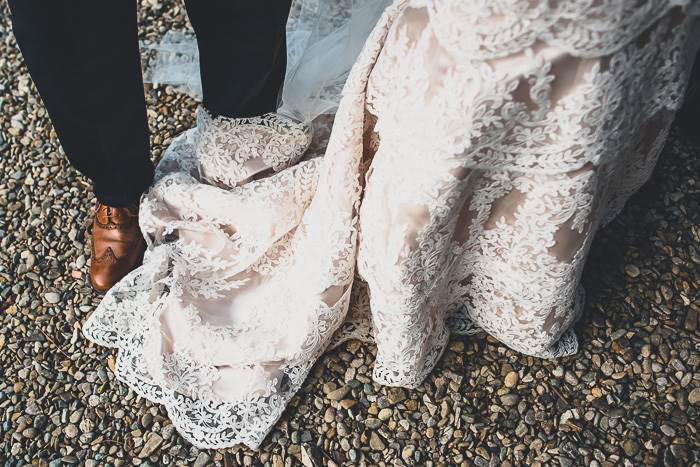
[{"x": 466, "y": 174}]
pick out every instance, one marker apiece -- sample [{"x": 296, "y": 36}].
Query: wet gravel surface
[{"x": 630, "y": 397}]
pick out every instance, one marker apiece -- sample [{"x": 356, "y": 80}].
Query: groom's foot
[{"x": 117, "y": 245}]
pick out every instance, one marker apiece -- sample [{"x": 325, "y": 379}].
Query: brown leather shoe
[{"x": 117, "y": 245}]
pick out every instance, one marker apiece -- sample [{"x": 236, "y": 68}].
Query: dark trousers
[{"x": 83, "y": 56}]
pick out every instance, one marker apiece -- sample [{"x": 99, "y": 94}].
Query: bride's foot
[{"x": 117, "y": 245}]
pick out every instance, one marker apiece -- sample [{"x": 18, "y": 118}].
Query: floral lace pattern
[
  {"x": 477, "y": 149},
  {"x": 233, "y": 151},
  {"x": 488, "y": 29}
]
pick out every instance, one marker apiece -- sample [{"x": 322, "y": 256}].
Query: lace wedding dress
[{"x": 477, "y": 148}]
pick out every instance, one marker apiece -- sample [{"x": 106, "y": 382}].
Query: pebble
[
  {"x": 52, "y": 297},
  {"x": 396, "y": 395},
  {"x": 632, "y": 270},
  {"x": 338, "y": 394},
  {"x": 71, "y": 430},
  {"x": 373, "y": 423},
  {"x": 342, "y": 429},
  {"x": 33, "y": 408},
  {"x": 407, "y": 452},
  {"x": 153, "y": 442},
  {"x": 570, "y": 378},
  {"x": 202, "y": 460},
  {"x": 510, "y": 399},
  {"x": 631, "y": 447},
  {"x": 347, "y": 403},
  {"x": 384, "y": 414},
  {"x": 511, "y": 379},
  {"x": 376, "y": 443},
  {"x": 694, "y": 396}
]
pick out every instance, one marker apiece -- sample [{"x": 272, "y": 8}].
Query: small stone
[
  {"x": 338, "y": 394},
  {"x": 202, "y": 460},
  {"x": 568, "y": 415},
  {"x": 407, "y": 452},
  {"x": 52, "y": 297},
  {"x": 570, "y": 378},
  {"x": 329, "y": 415},
  {"x": 396, "y": 395},
  {"x": 694, "y": 396},
  {"x": 71, "y": 430},
  {"x": 342, "y": 429},
  {"x": 168, "y": 431},
  {"x": 511, "y": 379},
  {"x": 632, "y": 270},
  {"x": 646, "y": 350},
  {"x": 373, "y": 423},
  {"x": 40, "y": 421},
  {"x": 691, "y": 321},
  {"x": 631, "y": 447},
  {"x": 152, "y": 443},
  {"x": 146, "y": 420},
  {"x": 680, "y": 453},
  {"x": 307, "y": 457},
  {"x": 457, "y": 346},
  {"x": 347, "y": 403},
  {"x": 32, "y": 408},
  {"x": 383, "y": 402},
  {"x": 668, "y": 430},
  {"x": 607, "y": 368},
  {"x": 86, "y": 425},
  {"x": 75, "y": 416},
  {"x": 111, "y": 364},
  {"x": 384, "y": 414},
  {"x": 530, "y": 417},
  {"x": 375, "y": 442},
  {"x": 510, "y": 399}
]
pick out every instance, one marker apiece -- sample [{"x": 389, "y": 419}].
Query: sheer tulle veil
[{"x": 324, "y": 38}]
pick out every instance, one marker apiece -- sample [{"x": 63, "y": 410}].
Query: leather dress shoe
[{"x": 117, "y": 245}]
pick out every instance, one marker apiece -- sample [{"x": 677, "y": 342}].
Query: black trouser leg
[
  {"x": 242, "y": 53},
  {"x": 84, "y": 58}
]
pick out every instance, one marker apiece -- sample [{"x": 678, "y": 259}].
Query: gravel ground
[{"x": 630, "y": 397}]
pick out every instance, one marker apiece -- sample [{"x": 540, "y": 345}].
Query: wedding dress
[{"x": 477, "y": 148}]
